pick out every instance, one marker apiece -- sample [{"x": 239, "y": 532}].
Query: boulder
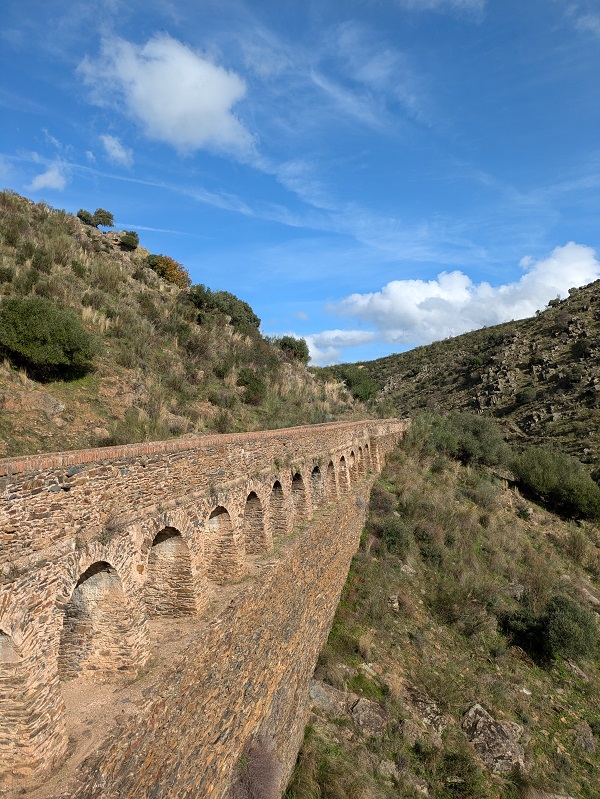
[{"x": 496, "y": 742}]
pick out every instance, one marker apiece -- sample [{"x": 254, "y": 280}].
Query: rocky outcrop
[{"x": 496, "y": 742}]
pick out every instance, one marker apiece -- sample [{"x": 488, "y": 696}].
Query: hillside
[
  {"x": 539, "y": 376},
  {"x": 164, "y": 359},
  {"x": 464, "y": 659}
]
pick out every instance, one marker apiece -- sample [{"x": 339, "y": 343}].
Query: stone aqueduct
[{"x": 94, "y": 543}]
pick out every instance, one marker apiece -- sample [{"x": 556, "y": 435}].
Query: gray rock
[
  {"x": 369, "y": 717},
  {"x": 496, "y": 742}
]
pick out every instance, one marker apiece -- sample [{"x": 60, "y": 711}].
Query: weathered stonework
[{"x": 94, "y": 543}]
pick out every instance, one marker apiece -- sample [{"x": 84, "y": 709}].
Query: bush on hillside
[
  {"x": 559, "y": 480},
  {"x": 466, "y": 436},
  {"x": 239, "y": 312},
  {"x": 295, "y": 349},
  {"x": 362, "y": 386},
  {"x": 255, "y": 386},
  {"x": 169, "y": 269},
  {"x": 564, "y": 629},
  {"x": 47, "y": 340},
  {"x": 129, "y": 240}
]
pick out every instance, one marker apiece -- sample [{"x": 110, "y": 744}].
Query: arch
[
  {"x": 224, "y": 549},
  {"x": 317, "y": 489},
  {"x": 299, "y": 499},
  {"x": 8, "y": 652},
  {"x": 352, "y": 467},
  {"x": 256, "y": 538},
  {"x": 367, "y": 459},
  {"x": 360, "y": 463},
  {"x": 169, "y": 586},
  {"x": 331, "y": 489},
  {"x": 278, "y": 513},
  {"x": 343, "y": 475},
  {"x": 96, "y": 635}
]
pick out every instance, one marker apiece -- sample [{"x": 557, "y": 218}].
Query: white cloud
[
  {"x": 117, "y": 152},
  {"x": 52, "y": 178},
  {"x": 417, "y": 311},
  {"x": 326, "y": 347},
  {"x": 177, "y": 95}
]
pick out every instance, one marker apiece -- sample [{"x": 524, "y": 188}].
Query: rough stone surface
[
  {"x": 496, "y": 742},
  {"x": 93, "y": 543}
]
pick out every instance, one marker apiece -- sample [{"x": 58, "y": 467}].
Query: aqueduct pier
[{"x": 94, "y": 543}]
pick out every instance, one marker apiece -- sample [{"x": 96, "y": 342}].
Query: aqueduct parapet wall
[{"x": 94, "y": 543}]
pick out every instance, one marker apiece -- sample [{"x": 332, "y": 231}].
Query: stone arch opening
[
  {"x": 278, "y": 515},
  {"x": 316, "y": 486},
  {"x": 352, "y": 467},
  {"x": 8, "y": 651},
  {"x": 360, "y": 464},
  {"x": 96, "y": 635},
  {"x": 169, "y": 586},
  {"x": 344, "y": 477},
  {"x": 255, "y": 535},
  {"x": 224, "y": 551},
  {"x": 330, "y": 482},
  {"x": 299, "y": 499}
]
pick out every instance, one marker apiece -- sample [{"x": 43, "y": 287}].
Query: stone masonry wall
[{"x": 93, "y": 543}]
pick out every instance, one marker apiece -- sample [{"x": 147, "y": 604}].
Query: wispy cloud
[
  {"x": 440, "y": 5},
  {"x": 117, "y": 152},
  {"x": 178, "y": 95},
  {"x": 589, "y": 23}
]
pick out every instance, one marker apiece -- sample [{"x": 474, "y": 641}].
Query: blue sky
[{"x": 370, "y": 174}]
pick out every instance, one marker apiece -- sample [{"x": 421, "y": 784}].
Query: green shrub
[
  {"x": 239, "y": 312},
  {"x": 559, "y": 480},
  {"x": 129, "y": 240},
  {"x": 469, "y": 437},
  {"x": 564, "y": 629},
  {"x": 6, "y": 274},
  {"x": 255, "y": 386},
  {"x": 396, "y": 536},
  {"x": 296, "y": 349},
  {"x": 362, "y": 386},
  {"x": 572, "y": 629},
  {"x": 44, "y": 338}
]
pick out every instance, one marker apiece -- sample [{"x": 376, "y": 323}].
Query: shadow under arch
[
  {"x": 224, "y": 548},
  {"x": 317, "y": 488},
  {"x": 256, "y": 536},
  {"x": 97, "y": 635},
  {"x": 279, "y": 520},
  {"x": 331, "y": 489},
  {"x": 169, "y": 585},
  {"x": 299, "y": 500},
  {"x": 343, "y": 476}
]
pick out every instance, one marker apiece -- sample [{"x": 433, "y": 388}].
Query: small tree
[
  {"x": 130, "y": 240},
  {"x": 86, "y": 217},
  {"x": 296, "y": 349},
  {"x": 104, "y": 218}
]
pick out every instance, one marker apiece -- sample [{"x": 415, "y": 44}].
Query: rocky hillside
[
  {"x": 464, "y": 659},
  {"x": 103, "y": 343},
  {"x": 539, "y": 376}
]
